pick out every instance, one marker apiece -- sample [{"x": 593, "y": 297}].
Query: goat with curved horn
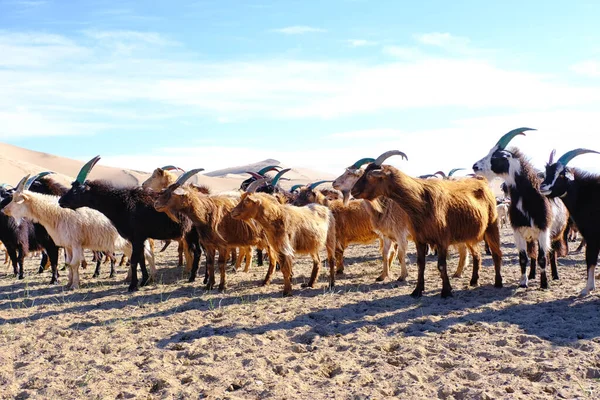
[
  {"x": 255, "y": 185},
  {"x": 255, "y": 175},
  {"x": 34, "y": 178},
  {"x": 315, "y": 184},
  {"x": 552, "y": 155},
  {"x": 361, "y": 162},
  {"x": 507, "y": 137},
  {"x": 453, "y": 170},
  {"x": 268, "y": 168},
  {"x": 85, "y": 170},
  {"x": 387, "y": 155},
  {"x": 278, "y": 176},
  {"x": 569, "y": 155},
  {"x": 21, "y": 184},
  {"x": 171, "y": 168},
  {"x": 296, "y": 187},
  {"x": 187, "y": 175},
  {"x": 442, "y": 174}
]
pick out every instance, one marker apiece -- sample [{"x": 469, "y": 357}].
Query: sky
[{"x": 315, "y": 84}]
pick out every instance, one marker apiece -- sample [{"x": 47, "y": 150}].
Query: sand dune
[{"x": 16, "y": 162}]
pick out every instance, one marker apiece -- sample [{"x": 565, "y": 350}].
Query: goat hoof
[
  {"x": 265, "y": 283},
  {"x": 305, "y": 285},
  {"x": 222, "y": 288},
  {"x": 287, "y": 294},
  {"x": 193, "y": 279},
  {"x": 132, "y": 289},
  {"x": 473, "y": 283},
  {"x": 380, "y": 279},
  {"x": 40, "y": 270},
  {"x": 456, "y": 275},
  {"x": 447, "y": 293},
  {"x": 416, "y": 293},
  {"x": 523, "y": 285},
  {"x": 555, "y": 277},
  {"x": 544, "y": 285},
  {"x": 95, "y": 275},
  {"x": 21, "y": 277},
  {"x": 498, "y": 284},
  {"x": 112, "y": 275}
]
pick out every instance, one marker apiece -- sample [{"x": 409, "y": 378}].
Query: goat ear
[
  {"x": 179, "y": 191},
  {"x": 378, "y": 173}
]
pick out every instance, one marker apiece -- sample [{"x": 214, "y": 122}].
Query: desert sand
[{"x": 362, "y": 340}]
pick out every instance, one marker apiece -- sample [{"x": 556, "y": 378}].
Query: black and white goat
[
  {"x": 580, "y": 192},
  {"x": 534, "y": 218}
]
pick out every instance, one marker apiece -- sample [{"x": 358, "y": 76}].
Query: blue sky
[{"x": 313, "y": 84}]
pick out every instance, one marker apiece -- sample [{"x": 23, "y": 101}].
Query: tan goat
[
  {"x": 291, "y": 230},
  {"x": 440, "y": 212}
]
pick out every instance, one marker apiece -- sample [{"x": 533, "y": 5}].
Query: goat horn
[
  {"x": 268, "y": 168},
  {"x": 21, "y": 184},
  {"x": 569, "y": 155},
  {"x": 442, "y": 173},
  {"x": 387, "y": 155},
  {"x": 505, "y": 140},
  {"x": 255, "y": 175},
  {"x": 453, "y": 170},
  {"x": 552, "y": 155},
  {"x": 361, "y": 162},
  {"x": 171, "y": 168},
  {"x": 426, "y": 176},
  {"x": 279, "y": 174},
  {"x": 255, "y": 185},
  {"x": 315, "y": 184},
  {"x": 34, "y": 178},
  {"x": 85, "y": 170},
  {"x": 295, "y": 187},
  {"x": 187, "y": 175}
]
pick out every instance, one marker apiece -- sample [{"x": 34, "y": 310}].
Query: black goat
[
  {"x": 29, "y": 236},
  {"x": 132, "y": 212},
  {"x": 533, "y": 217},
  {"x": 580, "y": 192},
  {"x": 258, "y": 175}
]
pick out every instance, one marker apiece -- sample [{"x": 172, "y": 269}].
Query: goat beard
[{"x": 346, "y": 194}]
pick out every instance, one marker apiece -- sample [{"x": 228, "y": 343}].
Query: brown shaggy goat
[
  {"x": 291, "y": 230},
  {"x": 440, "y": 212}
]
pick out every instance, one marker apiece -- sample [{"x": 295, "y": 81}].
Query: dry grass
[{"x": 363, "y": 340}]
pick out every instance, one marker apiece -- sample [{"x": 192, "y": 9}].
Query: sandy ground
[{"x": 365, "y": 340}]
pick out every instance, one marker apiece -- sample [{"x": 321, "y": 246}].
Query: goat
[
  {"x": 74, "y": 230},
  {"x": 258, "y": 175},
  {"x": 352, "y": 222},
  {"x": 160, "y": 179},
  {"x": 502, "y": 210},
  {"x": 533, "y": 217},
  {"x": 439, "y": 212},
  {"x": 29, "y": 235},
  {"x": 291, "y": 230},
  {"x": 579, "y": 191},
  {"x": 217, "y": 230},
  {"x": 132, "y": 212},
  {"x": 389, "y": 220}
]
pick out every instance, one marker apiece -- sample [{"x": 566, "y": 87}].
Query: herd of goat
[{"x": 370, "y": 201}]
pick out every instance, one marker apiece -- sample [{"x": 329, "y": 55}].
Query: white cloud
[
  {"x": 441, "y": 39},
  {"x": 360, "y": 43},
  {"x": 24, "y": 123},
  {"x": 587, "y": 68},
  {"x": 409, "y": 53},
  {"x": 298, "y": 30},
  {"x": 152, "y": 38}
]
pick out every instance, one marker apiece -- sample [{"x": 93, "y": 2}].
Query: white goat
[{"x": 74, "y": 230}]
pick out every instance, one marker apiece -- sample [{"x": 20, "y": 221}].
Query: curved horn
[
  {"x": 268, "y": 168},
  {"x": 315, "y": 184},
  {"x": 34, "y": 178},
  {"x": 171, "y": 168},
  {"x": 295, "y": 187},
  {"x": 442, "y": 173},
  {"x": 453, "y": 170},
  {"x": 426, "y": 176},
  {"x": 279, "y": 174},
  {"x": 569, "y": 155},
  {"x": 255, "y": 185},
  {"x": 505, "y": 140},
  {"x": 361, "y": 162},
  {"x": 185, "y": 176},
  {"x": 552, "y": 155},
  {"x": 85, "y": 170},
  {"x": 387, "y": 155},
  {"x": 255, "y": 175},
  {"x": 22, "y": 183}
]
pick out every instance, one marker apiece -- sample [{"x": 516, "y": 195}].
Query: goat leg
[{"x": 421, "y": 253}]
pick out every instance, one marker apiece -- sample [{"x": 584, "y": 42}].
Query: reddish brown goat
[{"x": 440, "y": 212}]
